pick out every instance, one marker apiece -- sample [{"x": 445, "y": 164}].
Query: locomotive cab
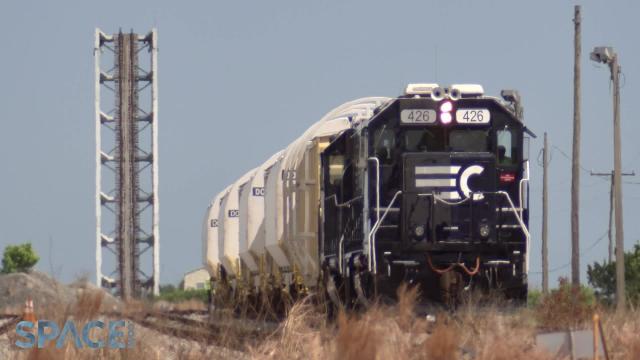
[{"x": 432, "y": 191}]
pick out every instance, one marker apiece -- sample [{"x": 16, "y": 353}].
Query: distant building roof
[
  {"x": 195, "y": 271},
  {"x": 196, "y": 279}
]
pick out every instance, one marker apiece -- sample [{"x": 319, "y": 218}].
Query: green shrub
[
  {"x": 603, "y": 277},
  {"x": 174, "y": 295},
  {"x": 18, "y": 258},
  {"x": 533, "y": 297},
  {"x": 167, "y": 288}
]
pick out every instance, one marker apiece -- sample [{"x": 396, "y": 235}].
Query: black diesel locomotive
[{"x": 432, "y": 191}]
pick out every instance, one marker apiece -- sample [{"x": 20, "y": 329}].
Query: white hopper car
[{"x": 265, "y": 225}]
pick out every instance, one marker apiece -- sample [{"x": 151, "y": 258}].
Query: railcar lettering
[{"x": 289, "y": 175}]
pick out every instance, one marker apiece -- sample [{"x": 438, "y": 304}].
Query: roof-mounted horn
[
  {"x": 468, "y": 90},
  {"x": 420, "y": 89}
]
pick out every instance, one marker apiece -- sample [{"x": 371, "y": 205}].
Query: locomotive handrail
[
  {"x": 524, "y": 179},
  {"x": 450, "y": 203},
  {"x": 374, "y": 158},
  {"x": 522, "y": 226},
  {"x": 340, "y": 251},
  {"x": 344, "y": 204},
  {"x": 372, "y": 235}
]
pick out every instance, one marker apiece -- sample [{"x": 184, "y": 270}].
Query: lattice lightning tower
[{"x": 127, "y": 162}]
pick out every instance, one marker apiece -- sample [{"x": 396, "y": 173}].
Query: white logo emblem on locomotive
[{"x": 449, "y": 182}]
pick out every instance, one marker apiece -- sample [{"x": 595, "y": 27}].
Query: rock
[
  {"x": 45, "y": 292},
  {"x": 109, "y": 302}
]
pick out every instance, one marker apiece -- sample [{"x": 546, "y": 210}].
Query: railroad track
[
  {"x": 186, "y": 312},
  {"x": 191, "y": 330},
  {"x": 232, "y": 333}
]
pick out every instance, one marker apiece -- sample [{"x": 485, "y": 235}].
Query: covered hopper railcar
[{"x": 429, "y": 188}]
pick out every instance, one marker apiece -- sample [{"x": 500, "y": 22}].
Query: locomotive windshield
[
  {"x": 467, "y": 140},
  {"x": 420, "y": 140},
  {"x": 433, "y": 139}
]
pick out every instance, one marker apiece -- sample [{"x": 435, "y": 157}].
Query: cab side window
[
  {"x": 336, "y": 170},
  {"x": 384, "y": 145},
  {"x": 506, "y": 151}
]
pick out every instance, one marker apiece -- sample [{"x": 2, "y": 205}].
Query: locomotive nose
[
  {"x": 449, "y": 176},
  {"x": 448, "y": 197}
]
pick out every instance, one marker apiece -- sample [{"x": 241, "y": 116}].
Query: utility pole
[
  {"x": 575, "y": 166},
  {"x": 606, "y": 55},
  {"x": 617, "y": 185},
  {"x": 611, "y": 207},
  {"x": 545, "y": 218}
]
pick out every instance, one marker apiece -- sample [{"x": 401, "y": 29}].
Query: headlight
[
  {"x": 484, "y": 230},
  {"x": 419, "y": 230}
]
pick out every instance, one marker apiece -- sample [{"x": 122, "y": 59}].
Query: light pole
[
  {"x": 575, "y": 156},
  {"x": 606, "y": 55}
]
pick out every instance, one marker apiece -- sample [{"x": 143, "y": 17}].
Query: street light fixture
[
  {"x": 603, "y": 54},
  {"x": 606, "y": 55}
]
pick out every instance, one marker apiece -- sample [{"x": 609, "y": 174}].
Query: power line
[
  {"x": 569, "y": 158},
  {"x": 539, "y": 160},
  {"x": 611, "y": 175},
  {"x": 563, "y": 266}
]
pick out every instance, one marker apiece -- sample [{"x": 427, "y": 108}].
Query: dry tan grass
[
  {"x": 379, "y": 333},
  {"x": 86, "y": 307},
  {"x": 491, "y": 330},
  {"x": 190, "y": 305},
  {"x": 566, "y": 307},
  {"x": 133, "y": 307},
  {"x": 480, "y": 330},
  {"x": 622, "y": 332}
]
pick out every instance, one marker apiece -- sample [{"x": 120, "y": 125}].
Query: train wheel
[
  {"x": 332, "y": 295},
  {"x": 347, "y": 287},
  {"x": 286, "y": 301},
  {"x": 250, "y": 306},
  {"x": 519, "y": 294},
  {"x": 451, "y": 285},
  {"x": 223, "y": 295},
  {"x": 360, "y": 286}
]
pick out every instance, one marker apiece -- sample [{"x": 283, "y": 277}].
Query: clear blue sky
[{"x": 238, "y": 80}]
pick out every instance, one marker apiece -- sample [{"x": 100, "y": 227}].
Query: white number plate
[
  {"x": 473, "y": 116},
  {"x": 418, "y": 116}
]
